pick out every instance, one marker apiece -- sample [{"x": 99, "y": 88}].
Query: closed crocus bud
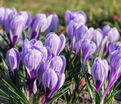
[
  {"x": 97, "y": 39},
  {"x": 54, "y": 22},
  {"x": 10, "y": 15},
  {"x": 55, "y": 43},
  {"x": 99, "y": 72},
  {"x": 32, "y": 61},
  {"x": 113, "y": 35},
  {"x": 13, "y": 59},
  {"x": 106, "y": 29},
  {"x": 39, "y": 23},
  {"x": 2, "y": 13},
  {"x": 115, "y": 71},
  {"x": 16, "y": 27},
  {"x": 78, "y": 16},
  {"x": 87, "y": 49}
]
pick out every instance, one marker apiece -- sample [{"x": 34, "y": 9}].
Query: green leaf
[{"x": 60, "y": 93}]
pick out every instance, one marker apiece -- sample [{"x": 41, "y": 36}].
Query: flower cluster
[{"x": 44, "y": 66}]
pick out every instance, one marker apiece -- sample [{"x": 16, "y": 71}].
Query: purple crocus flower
[
  {"x": 79, "y": 17},
  {"x": 113, "y": 36},
  {"x": 82, "y": 32},
  {"x": 114, "y": 47},
  {"x": 115, "y": 71},
  {"x": 99, "y": 72},
  {"x": 97, "y": 39},
  {"x": 32, "y": 62},
  {"x": 34, "y": 54},
  {"x": 13, "y": 59},
  {"x": 71, "y": 33},
  {"x": 87, "y": 49},
  {"x": 55, "y": 43},
  {"x": 2, "y": 13},
  {"x": 53, "y": 78},
  {"x": 39, "y": 21},
  {"x": 106, "y": 29},
  {"x": 10, "y": 15},
  {"x": 54, "y": 22},
  {"x": 18, "y": 24}
]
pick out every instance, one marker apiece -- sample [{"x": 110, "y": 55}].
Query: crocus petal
[
  {"x": 49, "y": 79},
  {"x": 97, "y": 38},
  {"x": 2, "y": 13},
  {"x": 54, "y": 23}
]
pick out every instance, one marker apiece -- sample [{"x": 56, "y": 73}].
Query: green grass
[{"x": 96, "y": 7}]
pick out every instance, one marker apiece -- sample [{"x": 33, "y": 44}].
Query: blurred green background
[
  {"x": 97, "y": 7},
  {"x": 99, "y": 12}
]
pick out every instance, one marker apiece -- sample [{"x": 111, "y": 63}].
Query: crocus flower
[
  {"x": 115, "y": 71},
  {"x": 106, "y": 29},
  {"x": 13, "y": 59},
  {"x": 39, "y": 21},
  {"x": 113, "y": 36},
  {"x": 54, "y": 22},
  {"x": 71, "y": 33},
  {"x": 53, "y": 78},
  {"x": 114, "y": 47},
  {"x": 99, "y": 72},
  {"x": 9, "y": 15},
  {"x": 18, "y": 24},
  {"x": 87, "y": 49},
  {"x": 97, "y": 39},
  {"x": 32, "y": 61},
  {"x": 55, "y": 43},
  {"x": 2, "y": 13},
  {"x": 33, "y": 53},
  {"x": 78, "y": 16},
  {"x": 82, "y": 32}
]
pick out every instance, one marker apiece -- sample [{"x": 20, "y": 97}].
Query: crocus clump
[
  {"x": 115, "y": 71},
  {"x": 53, "y": 78}
]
